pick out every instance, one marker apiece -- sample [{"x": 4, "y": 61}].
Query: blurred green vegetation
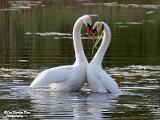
[{"x": 135, "y": 27}]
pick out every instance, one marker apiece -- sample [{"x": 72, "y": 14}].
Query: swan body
[
  {"x": 98, "y": 79},
  {"x": 70, "y": 77}
]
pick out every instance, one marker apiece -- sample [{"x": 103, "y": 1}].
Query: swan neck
[
  {"x": 98, "y": 58},
  {"x": 78, "y": 47}
]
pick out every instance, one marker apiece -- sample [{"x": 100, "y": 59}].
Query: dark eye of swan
[
  {"x": 94, "y": 30},
  {"x": 89, "y": 26}
]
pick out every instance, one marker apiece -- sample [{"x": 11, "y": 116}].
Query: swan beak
[
  {"x": 89, "y": 29},
  {"x": 94, "y": 32}
]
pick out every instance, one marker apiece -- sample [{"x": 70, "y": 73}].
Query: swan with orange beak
[{"x": 98, "y": 79}]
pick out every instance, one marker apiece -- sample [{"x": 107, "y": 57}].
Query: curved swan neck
[
  {"x": 78, "y": 47},
  {"x": 97, "y": 59}
]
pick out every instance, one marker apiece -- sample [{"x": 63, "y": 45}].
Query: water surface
[
  {"x": 36, "y": 35},
  {"x": 140, "y": 98}
]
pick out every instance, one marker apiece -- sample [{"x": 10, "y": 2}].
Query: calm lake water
[{"x": 36, "y": 35}]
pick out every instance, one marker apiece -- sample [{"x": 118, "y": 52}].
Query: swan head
[
  {"x": 97, "y": 28},
  {"x": 87, "y": 22}
]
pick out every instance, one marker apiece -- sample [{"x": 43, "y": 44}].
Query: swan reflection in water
[{"x": 68, "y": 105}]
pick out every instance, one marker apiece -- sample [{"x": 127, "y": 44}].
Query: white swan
[
  {"x": 98, "y": 79},
  {"x": 70, "y": 77}
]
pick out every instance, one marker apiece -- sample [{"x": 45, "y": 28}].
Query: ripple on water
[
  {"x": 116, "y": 4},
  {"x": 23, "y": 4},
  {"x": 17, "y": 76},
  {"x": 18, "y": 5},
  {"x": 49, "y": 34},
  {"x": 136, "y": 76}
]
